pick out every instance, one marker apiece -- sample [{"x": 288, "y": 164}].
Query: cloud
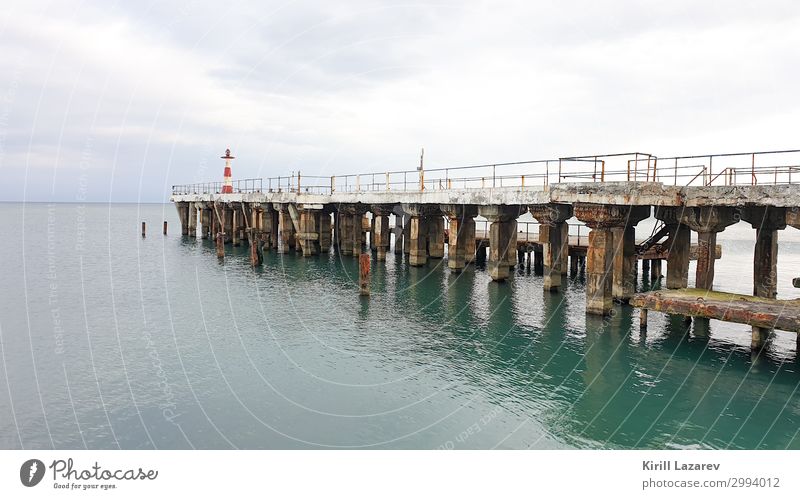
[{"x": 158, "y": 91}]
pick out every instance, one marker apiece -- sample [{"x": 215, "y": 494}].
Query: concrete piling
[
  {"x": 502, "y": 231},
  {"x": 436, "y": 236},
  {"x": 220, "y": 245},
  {"x": 363, "y": 274},
  {"x": 144, "y": 231},
  {"x": 165, "y": 227}
]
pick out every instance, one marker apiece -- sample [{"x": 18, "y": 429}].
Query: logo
[{"x": 31, "y": 472}]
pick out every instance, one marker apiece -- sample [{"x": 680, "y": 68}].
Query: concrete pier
[
  {"x": 554, "y": 237},
  {"x": 611, "y": 211},
  {"x": 461, "y": 233},
  {"x": 381, "y": 232},
  {"x": 502, "y": 231},
  {"x": 436, "y": 236}
]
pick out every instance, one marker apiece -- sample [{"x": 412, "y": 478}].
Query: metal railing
[
  {"x": 239, "y": 186},
  {"x": 754, "y": 168}
]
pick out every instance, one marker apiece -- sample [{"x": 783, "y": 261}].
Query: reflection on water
[{"x": 153, "y": 342}]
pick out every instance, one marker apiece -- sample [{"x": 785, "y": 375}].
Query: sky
[{"x": 117, "y": 101}]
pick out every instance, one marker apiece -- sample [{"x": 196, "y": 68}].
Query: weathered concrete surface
[
  {"x": 632, "y": 193},
  {"x": 741, "y": 195}
]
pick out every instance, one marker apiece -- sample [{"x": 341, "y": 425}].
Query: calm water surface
[{"x": 110, "y": 340}]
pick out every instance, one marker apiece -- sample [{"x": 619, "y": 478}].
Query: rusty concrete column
[
  {"x": 655, "y": 270},
  {"x": 678, "y": 244},
  {"x": 192, "y": 220},
  {"x": 398, "y": 230},
  {"x": 285, "y": 227},
  {"x": 358, "y": 239},
  {"x": 203, "y": 222},
  {"x": 183, "y": 216},
  {"x": 235, "y": 224},
  {"x": 275, "y": 235},
  {"x": 538, "y": 262},
  {"x": 418, "y": 250},
  {"x": 346, "y": 233},
  {"x": 266, "y": 226},
  {"x": 624, "y": 283},
  {"x": 436, "y": 236},
  {"x": 503, "y": 219},
  {"x": 417, "y": 241},
  {"x": 228, "y": 222},
  {"x": 706, "y": 245},
  {"x": 459, "y": 234},
  {"x": 381, "y": 232},
  {"x": 468, "y": 226},
  {"x": 600, "y": 267},
  {"x": 555, "y": 245},
  {"x": 407, "y": 234},
  {"x": 767, "y": 221},
  {"x": 308, "y": 233},
  {"x": 324, "y": 231},
  {"x": 511, "y": 254},
  {"x": 707, "y": 221}
]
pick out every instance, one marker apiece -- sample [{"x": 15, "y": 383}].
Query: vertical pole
[
  {"x": 599, "y": 266},
  {"x": 363, "y": 274},
  {"x": 165, "y": 227},
  {"x": 418, "y": 251},
  {"x": 706, "y": 251},
  {"x": 220, "y": 246},
  {"x": 143, "y": 229},
  {"x": 678, "y": 257}
]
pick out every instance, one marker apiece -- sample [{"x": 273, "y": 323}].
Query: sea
[{"x": 113, "y": 340}]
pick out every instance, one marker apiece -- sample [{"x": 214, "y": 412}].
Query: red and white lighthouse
[{"x": 227, "y": 185}]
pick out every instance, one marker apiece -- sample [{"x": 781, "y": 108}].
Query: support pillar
[
  {"x": 606, "y": 221},
  {"x": 436, "y": 236},
  {"x": 707, "y": 221},
  {"x": 192, "y": 220},
  {"x": 706, "y": 249},
  {"x": 398, "y": 232},
  {"x": 205, "y": 219},
  {"x": 767, "y": 221},
  {"x": 183, "y": 216},
  {"x": 624, "y": 283},
  {"x": 235, "y": 221},
  {"x": 599, "y": 267},
  {"x": 459, "y": 234},
  {"x": 655, "y": 270},
  {"x": 407, "y": 234},
  {"x": 308, "y": 234},
  {"x": 554, "y": 237},
  {"x": 469, "y": 236},
  {"x": 357, "y": 234},
  {"x": 324, "y": 231},
  {"x": 679, "y": 243},
  {"x": 227, "y": 214},
  {"x": 503, "y": 228},
  {"x": 381, "y": 232},
  {"x": 285, "y": 227}
]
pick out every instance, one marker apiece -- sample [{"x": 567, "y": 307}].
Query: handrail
[{"x": 531, "y": 174}]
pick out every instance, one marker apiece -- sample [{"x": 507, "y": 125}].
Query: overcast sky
[{"x": 120, "y": 100}]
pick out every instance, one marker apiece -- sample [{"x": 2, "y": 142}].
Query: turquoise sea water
[{"x": 112, "y": 340}]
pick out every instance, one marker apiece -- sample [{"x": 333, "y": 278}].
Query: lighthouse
[{"x": 227, "y": 185}]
